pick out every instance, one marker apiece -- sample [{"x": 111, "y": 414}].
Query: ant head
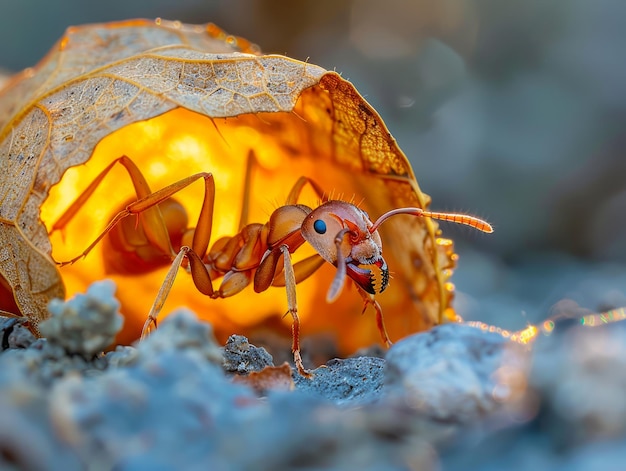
[
  {"x": 321, "y": 227},
  {"x": 341, "y": 234}
]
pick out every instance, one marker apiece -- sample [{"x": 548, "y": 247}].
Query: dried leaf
[{"x": 181, "y": 99}]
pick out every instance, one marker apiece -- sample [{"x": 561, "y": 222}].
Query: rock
[
  {"x": 44, "y": 362},
  {"x": 298, "y": 431},
  {"x": 447, "y": 373},
  {"x": 181, "y": 331},
  {"x": 456, "y": 397},
  {"x": 28, "y": 440},
  {"x": 166, "y": 403},
  {"x": 242, "y": 358},
  {"x": 349, "y": 382},
  {"x": 14, "y": 334},
  {"x": 575, "y": 409},
  {"x": 164, "y": 410},
  {"x": 86, "y": 324},
  {"x": 567, "y": 371}
]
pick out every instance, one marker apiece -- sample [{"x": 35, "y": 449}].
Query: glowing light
[
  {"x": 548, "y": 327},
  {"x": 608, "y": 317},
  {"x": 530, "y": 333},
  {"x": 524, "y": 336},
  {"x": 444, "y": 242},
  {"x": 187, "y": 147},
  {"x": 157, "y": 169},
  {"x": 179, "y": 143}
]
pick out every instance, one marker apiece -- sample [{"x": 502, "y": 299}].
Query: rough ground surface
[{"x": 452, "y": 398}]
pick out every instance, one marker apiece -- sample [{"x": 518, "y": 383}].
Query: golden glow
[
  {"x": 531, "y": 332},
  {"x": 444, "y": 242},
  {"x": 181, "y": 143},
  {"x": 524, "y": 336},
  {"x": 548, "y": 326},
  {"x": 156, "y": 169}
]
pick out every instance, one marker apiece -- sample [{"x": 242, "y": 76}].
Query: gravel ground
[{"x": 455, "y": 397}]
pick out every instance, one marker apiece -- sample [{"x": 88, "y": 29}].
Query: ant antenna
[{"x": 471, "y": 221}]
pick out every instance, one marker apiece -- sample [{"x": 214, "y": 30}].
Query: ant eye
[{"x": 319, "y": 226}]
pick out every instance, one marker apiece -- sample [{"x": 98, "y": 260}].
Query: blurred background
[{"x": 514, "y": 111}]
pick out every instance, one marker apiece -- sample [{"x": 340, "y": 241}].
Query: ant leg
[
  {"x": 380, "y": 321},
  {"x": 294, "y": 194},
  {"x": 302, "y": 270},
  {"x": 290, "y": 284},
  {"x": 199, "y": 245},
  {"x": 200, "y": 277},
  {"x": 164, "y": 291},
  {"x": 202, "y": 233},
  {"x": 336, "y": 287},
  {"x": 152, "y": 220},
  {"x": 292, "y": 198}
]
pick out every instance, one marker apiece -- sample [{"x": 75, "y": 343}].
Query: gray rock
[
  {"x": 349, "y": 382},
  {"x": 301, "y": 432},
  {"x": 167, "y": 403},
  {"x": 86, "y": 324},
  {"x": 567, "y": 372},
  {"x": 14, "y": 334},
  {"x": 122, "y": 355},
  {"x": 44, "y": 362},
  {"x": 242, "y": 358},
  {"x": 166, "y": 409},
  {"x": 574, "y": 417},
  {"x": 447, "y": 373},
  {"x": 180, "y": 331},
  {"x": 28, "y": 440},
  {"x": 78, "y": 330}
]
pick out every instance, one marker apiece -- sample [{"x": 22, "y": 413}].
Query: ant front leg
[
  {"x": 155, "y": 228},
  {"x": 200, "y": 277},
  {"x": 166, "y": 286},
  {"x": 200, "y": 243},
  {"x": 380, "y": 320},
  {"x": 143, "y": 205},
  {"x": 152, "y": 219},
  {"x": 290, "y": 285}
]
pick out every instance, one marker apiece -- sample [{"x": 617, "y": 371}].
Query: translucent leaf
[{"x": 180, "y": 99}]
